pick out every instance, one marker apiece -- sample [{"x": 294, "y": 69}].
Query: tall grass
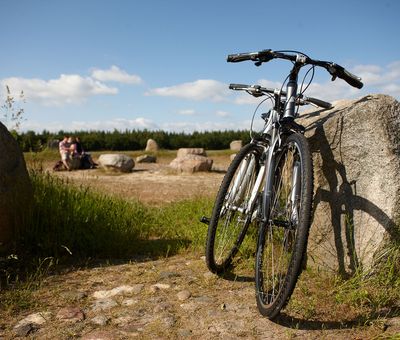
[{"x": 75, "y": 221}]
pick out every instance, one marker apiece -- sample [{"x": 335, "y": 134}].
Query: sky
[{"x": 161, "y": 65}]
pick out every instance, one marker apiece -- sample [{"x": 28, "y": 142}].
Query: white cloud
[
  {"x": 115, "y": 74},
  {"x": 201, "y": 89},
  {"x": 67, "y": 89},
  {"x": 187, "y": 112},
  {"x": 117, "y": 123},
  {"x": 222, "y": 113}
]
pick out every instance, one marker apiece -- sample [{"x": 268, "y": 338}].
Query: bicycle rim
[
  {"x": 231, "y": 217},
  {"x": 282, "y": 240}
]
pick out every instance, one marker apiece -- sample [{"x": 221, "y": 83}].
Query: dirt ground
[
  {"x": 152, "y": 183},
  {"x": 171, "y": 298}
]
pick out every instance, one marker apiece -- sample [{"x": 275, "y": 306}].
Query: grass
[{"x": 72, "y": 223}]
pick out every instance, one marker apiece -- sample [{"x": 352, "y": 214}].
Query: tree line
[{"x": 133, "y": 139}]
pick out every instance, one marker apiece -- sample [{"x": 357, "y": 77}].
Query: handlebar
[
  {"x": 257, "y": 90},
  {"x": 263, "y": 56}
]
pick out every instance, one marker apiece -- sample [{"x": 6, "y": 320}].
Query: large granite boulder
[
  {"x": 16, "y": 194},
  {"x": 116, "y": 162},
  {"x": 356, "y": 156}
]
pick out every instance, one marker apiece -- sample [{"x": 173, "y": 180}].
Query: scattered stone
[
  {"x": 70, "y": 314},
  {"x": 190, "y": 306},
  {"x": 191, "y": 163},
  {"x": 182, "y": 152},
  {"x": 100, "y": 320},
  {"x": 104, "y": 304},
  {"x": 146, "y": 159},
  {"x": 151, "y": 145},
  {"x": 169, "y": 321},
  {"x": 184, "y": 333},
  {"x": 236, "y": 145},
  {"x": 122, "y": 321},
  {"x": 159, "y": 286},
  {"x": 116, "y": 162},
  {"x": 25, "y": 330},
  {"x": 103, "y": 294},
  {"x": 161, "y": 307},
  {"x": 31, "y": 323},
  {"x": 183, "y": 295},
  {"x": 129, "y": 302}
]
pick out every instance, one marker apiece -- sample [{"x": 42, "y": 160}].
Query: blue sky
[{"x": 162, "y": 64}]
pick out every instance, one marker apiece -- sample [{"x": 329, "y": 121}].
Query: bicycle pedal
[{"x": 205, "y": 220}]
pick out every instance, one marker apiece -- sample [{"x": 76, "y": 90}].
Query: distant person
[
  {"x": 86, "y": 159},
  {"x": 64, "y": 149}
]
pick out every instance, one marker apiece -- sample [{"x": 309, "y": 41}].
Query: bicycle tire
[
  {"x": 228, "y": 226},
  {"x": 282, "y": 240}
]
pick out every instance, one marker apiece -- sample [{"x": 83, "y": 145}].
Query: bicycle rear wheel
[
  {"x": 282, "y": 240},
  {"x": 231, "y": 217}
]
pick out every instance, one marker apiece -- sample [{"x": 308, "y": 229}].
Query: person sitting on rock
[{"x": 86, "y": 159}]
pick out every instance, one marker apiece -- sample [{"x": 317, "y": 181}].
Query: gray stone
[
  {"x": 104, "y": 304},
  {"x": 182, "y": 152},
  {"x": 151, "y": 145},
  {"x": 116, "y": 162},
  {"x": 146, "y": 159},
  {"x": 100, "y": 320},
  {"x": 184, "y": 295},
  {"x": 191, "y": 163},
  {"x": 121, "y": 290},
  {"x": 16, "y": 194},
  {"x": 236, "y": 145},
  {"x": 356, "y": 156},
  {"x": 30, "y": 323},
  {"x": 70, "y": 314}
]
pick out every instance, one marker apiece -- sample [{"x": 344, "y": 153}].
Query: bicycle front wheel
[
  {"x": 232, "y": 215},
  {"x": 282, "y": 240}
]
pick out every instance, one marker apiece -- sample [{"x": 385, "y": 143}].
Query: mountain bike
[{"x": 269, "y": 184}]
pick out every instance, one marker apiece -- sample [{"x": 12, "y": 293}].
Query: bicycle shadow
[{"x": 340, "y": 192}]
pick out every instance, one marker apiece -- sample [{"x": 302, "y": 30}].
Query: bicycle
[{"x": 270, "y": 184}]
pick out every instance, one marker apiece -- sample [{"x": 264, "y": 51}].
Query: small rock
[
  {"x": 184, "y": 333},
  {"x": 169, "y": 321},
  {"x": 25, "y": 329},
  {"x": 154, "y": 288},
  {"x": 236, "y": 145},
  {"x": 103, "y": 294},
  {"x": 189, "y": 306},
  {"x": 129, "y": 302},
  {"x": 100, "y": 320},
  {"x": 223, "y": 306},
  {"x": 104, "y": 304},
  {"x": 70, "y": 314},
  {"x": 183, "y": 295}
]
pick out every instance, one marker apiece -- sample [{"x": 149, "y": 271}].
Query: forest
[{"x": 133, "y": 139}]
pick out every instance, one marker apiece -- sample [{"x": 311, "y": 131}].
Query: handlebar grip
[
  {"x": 319, "y": 102},
  {"x": 349, "y": 78},
  {"x": 235, "y": 58},
  {"x": 237, "y": 86}
]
